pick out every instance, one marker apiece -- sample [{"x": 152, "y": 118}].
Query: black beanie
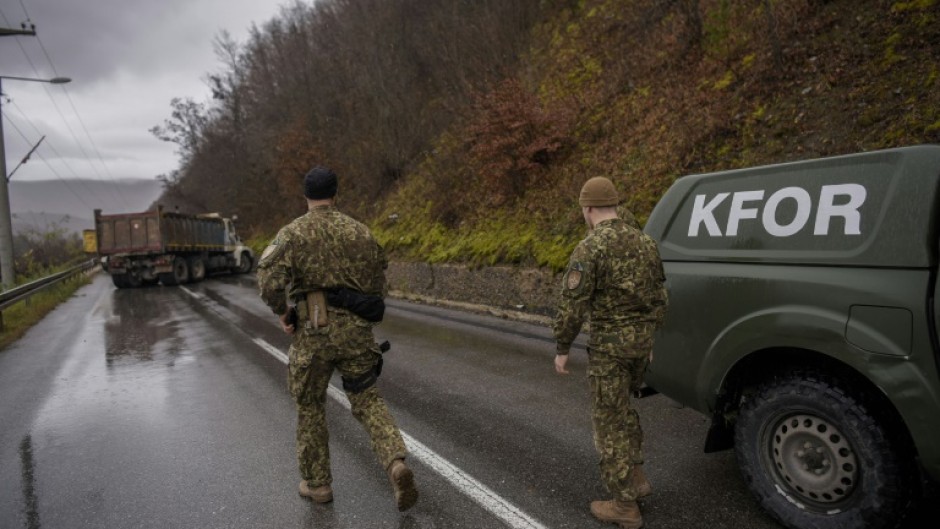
[{"x": 320, "y": 183}]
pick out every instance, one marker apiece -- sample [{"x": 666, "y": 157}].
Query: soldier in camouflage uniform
[
  {"x": 325, "y": 249},
  {"x": 615, "y": 280}
]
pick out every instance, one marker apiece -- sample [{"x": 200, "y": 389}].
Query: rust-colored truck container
[{"x": 172, "y": 248}]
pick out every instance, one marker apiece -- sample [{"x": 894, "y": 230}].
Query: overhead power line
[
  {"x": 49, "y": 144},
  {"x": 52, "y": 169},
  {"x": 25, "y": 158},
  {"x": 78, "y": 143}
]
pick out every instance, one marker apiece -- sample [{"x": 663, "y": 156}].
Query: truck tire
[
  {"x": 197, "y": 269},
  {"x": 245, "y": 264},
  {"x": 816, "y": 456},
  {"x": 132, "y": 279},
  {"x": 178, "y": 276},
  {"x": 126, "y": 280},
  {"x": 119, "y": 280}
]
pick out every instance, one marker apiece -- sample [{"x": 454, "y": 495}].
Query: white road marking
[
  {"x": 273, "y": 351},
  {"x": 191, "y": 293},
  {"x": 498, "y": 506}
]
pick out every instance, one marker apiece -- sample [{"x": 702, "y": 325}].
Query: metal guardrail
[{"x": 22, "y": 292}]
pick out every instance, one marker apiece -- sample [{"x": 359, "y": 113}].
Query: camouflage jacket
[
  {"x": 615, "y": 280},
  {"x": 322, "y": 249}
]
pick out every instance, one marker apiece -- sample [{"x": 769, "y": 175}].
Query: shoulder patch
[
  {"x": 573, "y": 279},
  {"x": 272, "y": 252},
  {"x": 268, "y": 251},
  {"x": 573, "y": 276}
]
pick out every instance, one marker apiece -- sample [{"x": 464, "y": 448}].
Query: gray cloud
[{"x": 127, "y": 59}]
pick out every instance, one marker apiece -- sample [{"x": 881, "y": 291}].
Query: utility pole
[
  {"x": 6, "y": 224},
  {"x": 7, "y": 270}
]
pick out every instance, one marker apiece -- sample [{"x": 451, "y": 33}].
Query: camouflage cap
[{"x": 598, "y": 192}]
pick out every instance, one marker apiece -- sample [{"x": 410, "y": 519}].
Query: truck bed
[{"x": 157, "y": 232}]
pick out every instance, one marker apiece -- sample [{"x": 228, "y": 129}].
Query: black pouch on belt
[{"x": 368, "y": 307}]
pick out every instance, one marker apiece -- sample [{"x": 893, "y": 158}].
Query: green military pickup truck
[{"x": 804, "y": 321}]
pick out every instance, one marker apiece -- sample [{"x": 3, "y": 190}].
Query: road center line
[{"x": 511, "y": 515}]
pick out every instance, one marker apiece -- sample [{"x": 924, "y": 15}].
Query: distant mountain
[
  {"x": 44, "y": 222},
  {"x": 71, "y": 203}
]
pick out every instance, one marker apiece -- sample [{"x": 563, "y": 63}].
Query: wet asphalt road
[{"x": 157, "y": 407}]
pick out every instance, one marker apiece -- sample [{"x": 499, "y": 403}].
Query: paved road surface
[{"x": 167, "y": 407}]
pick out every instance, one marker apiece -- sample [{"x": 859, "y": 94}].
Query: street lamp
[{"x": 7, "y": 272}]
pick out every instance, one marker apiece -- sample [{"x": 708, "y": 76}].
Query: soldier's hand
[
  {"x": 285, "y": 325},
  {"x": 561, "y": 361}
]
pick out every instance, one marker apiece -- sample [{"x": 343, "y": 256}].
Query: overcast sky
[{"x": 126, "y": 59}]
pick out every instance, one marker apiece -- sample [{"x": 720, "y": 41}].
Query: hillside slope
[{"x": 645, "y": 91}]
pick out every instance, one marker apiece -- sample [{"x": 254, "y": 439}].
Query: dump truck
[
  {"x": 803, "y": 320},
  {"x": 172, "y": 248}
]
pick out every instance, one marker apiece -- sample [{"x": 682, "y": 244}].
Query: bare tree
[
  {"x": 185, "y": 127},
  {"x": 773, "y": 35}
]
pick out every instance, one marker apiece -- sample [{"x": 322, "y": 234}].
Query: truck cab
[
  {"x": 231, "y": 237},
  {"x": 803, "y": 320}
]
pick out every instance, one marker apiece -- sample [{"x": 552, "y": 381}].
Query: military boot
[
  {"x": 641, "y": 485},
  {"x": 321, "y": 494},
  {"x": 403, "y": 483},
  {"x": 625, "y": 513}
]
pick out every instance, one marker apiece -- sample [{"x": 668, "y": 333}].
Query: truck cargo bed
[{"x": 157, "y": 232}]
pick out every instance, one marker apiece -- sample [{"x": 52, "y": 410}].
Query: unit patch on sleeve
[
  {"x": 573, "y": 276},
  {"x": 272, "y": 252}
]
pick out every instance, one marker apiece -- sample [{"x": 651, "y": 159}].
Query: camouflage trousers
[
  {"x": 614, "y": 372},
  {"x": 313, "y": 358}
]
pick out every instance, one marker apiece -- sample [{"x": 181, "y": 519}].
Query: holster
[
  {"x": 367, "y": 379},
  {"x": 316, "y": 309}
]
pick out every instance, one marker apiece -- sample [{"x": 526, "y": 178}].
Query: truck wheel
[
  {"x": 816, "y": 456},
  {"x": 245, "y": 264},
  {"x": 132, "y": 279},
  {"x": 197, "y": 269},
  {"x": 119, "y": 280},
  {"x": 179, "y": 275}
]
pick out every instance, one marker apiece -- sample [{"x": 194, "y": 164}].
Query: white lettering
[
  {"x": 850, "y": 198},
  {"x": 739, "y": 212},
  {"x": 803, "y": 206},
  {"x": 702, "y": 212},
  {"x": 848, "y": 211}
]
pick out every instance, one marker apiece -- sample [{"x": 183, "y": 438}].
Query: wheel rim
[{"x": 813, "y": 459}]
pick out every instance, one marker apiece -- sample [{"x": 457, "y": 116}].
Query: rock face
[{"x": 499, "y": 288}]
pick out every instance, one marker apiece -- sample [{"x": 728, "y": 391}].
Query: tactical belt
[{"x": 313, "y": 306}]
